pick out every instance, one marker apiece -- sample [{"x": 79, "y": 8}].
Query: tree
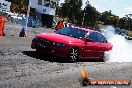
[
  {"x": 58, "y": 11},
  {"x": 71, "y": 9},
  {"x": 109, "y": 19},
  {"x": 123, "y": 23},
  {"x": 105, "y": 17},
  {"x": 128, "y": 22},
  {"x": 114, "y": 20},
  {"x": 90, "y": 16},
  {"x": 65, "y": 9},
  {"x": 19, "y": 6}
]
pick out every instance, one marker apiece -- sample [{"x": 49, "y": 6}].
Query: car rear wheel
[{"x": 73, "y": 55}]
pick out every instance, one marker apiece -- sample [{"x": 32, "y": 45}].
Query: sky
[{"x": 118, "y": 7}]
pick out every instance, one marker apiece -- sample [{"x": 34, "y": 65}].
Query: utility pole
[{"x": 87, "y": 3}]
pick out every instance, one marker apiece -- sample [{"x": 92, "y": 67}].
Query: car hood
[{"x": 58, "y": 38}]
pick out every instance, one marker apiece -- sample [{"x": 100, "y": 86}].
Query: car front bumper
[{"x": 54, "y": 50}]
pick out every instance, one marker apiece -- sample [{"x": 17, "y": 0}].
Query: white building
[
  {"x": 4, "y": 6},
  {"x": 46, "y": 8}
]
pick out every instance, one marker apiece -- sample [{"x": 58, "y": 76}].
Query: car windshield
[{"x": 72, "y": 32}]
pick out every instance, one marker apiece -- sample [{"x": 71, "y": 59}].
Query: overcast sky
[{"x": 118, "y": 7}]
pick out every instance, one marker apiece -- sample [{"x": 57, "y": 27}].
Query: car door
[
  {"x": 89, "y": 48},
  {"x": 101, "y": 43}
]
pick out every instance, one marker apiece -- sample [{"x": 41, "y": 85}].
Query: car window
[
  {"x": 72, "y": 32},
  {"x": 93, "y": 36},
  {"x": 101, "y": 38}
]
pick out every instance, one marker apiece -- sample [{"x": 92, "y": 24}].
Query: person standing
[
  {"x": 23, "y": 31},
  {"x": 59, "y": 25}
]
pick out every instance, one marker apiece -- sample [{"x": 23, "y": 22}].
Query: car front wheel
[
  {"x": 73, "y": 54},
  {"x": 39, "y": 52}
]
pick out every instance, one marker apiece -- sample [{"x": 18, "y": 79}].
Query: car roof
[{"x": 86, "y": 29}]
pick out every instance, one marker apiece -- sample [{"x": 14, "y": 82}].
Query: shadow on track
[{"x": 52, "y": 58}]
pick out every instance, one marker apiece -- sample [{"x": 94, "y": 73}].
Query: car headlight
[
  {"x": 58, "y": 44},
  {"x": 35, "y": 39}
]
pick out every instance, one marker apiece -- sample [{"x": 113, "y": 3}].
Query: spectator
[
  {"x": 23, "y": 31},
  {"x": 59, "y": 25},
  {"x": 66, "y": 24},
  {"x": 70, "y": 24}
]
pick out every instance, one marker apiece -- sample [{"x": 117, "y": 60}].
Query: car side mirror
[{"x": 88, "y": 40}]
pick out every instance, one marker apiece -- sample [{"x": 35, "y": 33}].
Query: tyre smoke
[{"x": 122, "y": 48}]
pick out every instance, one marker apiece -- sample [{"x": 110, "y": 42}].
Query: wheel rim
[{"x": 74, "y": 54}]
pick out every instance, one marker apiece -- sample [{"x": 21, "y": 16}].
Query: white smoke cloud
[{"x": 122, "y": 49}]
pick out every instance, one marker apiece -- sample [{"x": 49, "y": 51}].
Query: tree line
[
  {"x": 72, "y": 10},
  {"x": 90, "y": 16},
  {"x": 21, "y": 6}
]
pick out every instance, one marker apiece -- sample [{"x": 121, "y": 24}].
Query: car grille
[{"x": 44, "y": 41}]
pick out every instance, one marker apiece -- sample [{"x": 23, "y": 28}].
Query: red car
[{"x": 73, "y": 43}]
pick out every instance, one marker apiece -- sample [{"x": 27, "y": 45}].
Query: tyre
[
  {"x": 106, "y": 56},
  {"x": 39, "y": 52},
  {"x": 73, "y": 54}
]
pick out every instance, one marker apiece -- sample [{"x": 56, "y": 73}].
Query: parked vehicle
[
  {"x": 123, "y": 33},
  {"x": 73, "y": 43},
  {"x": 127, "y": 37}
]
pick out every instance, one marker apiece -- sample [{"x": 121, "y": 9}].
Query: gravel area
[{"x": 22, "y": 67}]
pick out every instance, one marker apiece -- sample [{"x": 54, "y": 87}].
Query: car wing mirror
[
  {"x": 106, "y": 41},
  {"x": 88, "y": 40}
]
